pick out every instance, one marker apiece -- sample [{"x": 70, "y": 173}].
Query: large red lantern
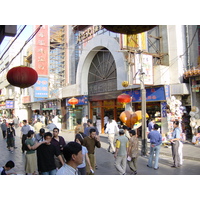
[
  {"x": 124, "y": 99},
  {"x": 129, "y": 118},
  {"x": 22, "y": 76},
  {"x": 73, "y": 101},
  {"x": 128, "y": 29}
]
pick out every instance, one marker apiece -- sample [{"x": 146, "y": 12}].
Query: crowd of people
[{"x": 47, "y": 153}]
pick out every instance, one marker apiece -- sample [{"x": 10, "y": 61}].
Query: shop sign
[
  {"x": 41, "y": 50},
  {"x": 152, "y": 94},
  {"x": 88, "y": 33},
  {"x": 26, "y": 99},
  {"x": 9, "y": 104},
  {"x": 82, "y": 100},
  {"x": 147, "y": 66},
  {"x": 41, "y": 88}
]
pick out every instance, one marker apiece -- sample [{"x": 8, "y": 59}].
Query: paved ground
[{"x": 105, "y": 160}]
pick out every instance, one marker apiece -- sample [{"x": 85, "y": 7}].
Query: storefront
[
  {"x": 155, "y": 104},
  {"x": 7, "y": 108},
  {"x": 74, "y": 115}
]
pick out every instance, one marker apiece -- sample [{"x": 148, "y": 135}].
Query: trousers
[
  {"x": 133, "y": 164},
  {"x": 175, "y": 153},
  {"x": 120, "y": 164},
  {"x": 111, "y": 138},
  {"x": 154, "y": 151}
]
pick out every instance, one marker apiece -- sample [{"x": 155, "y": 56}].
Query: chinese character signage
[
  {"x": 9, "y": 104},
  {"x": 83, "y": 100},
  {"x": 41, "y": 88},
  {"x": 41, "y": 50},
  {"x": 147, "y": 66},
  {"x": 152, "y": 94}
]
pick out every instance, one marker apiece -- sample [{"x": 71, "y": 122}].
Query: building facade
[{"x": 90, "y": 63}]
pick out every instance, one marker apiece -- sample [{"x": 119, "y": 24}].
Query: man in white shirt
[
  {"x": 73, "y": 156},
  {"x": 111, "y": 129}
]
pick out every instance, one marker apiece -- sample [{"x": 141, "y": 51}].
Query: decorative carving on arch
[{"x": 102, "y": 77}]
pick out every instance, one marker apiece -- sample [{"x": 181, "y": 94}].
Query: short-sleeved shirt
[
  {"x": 84, "y": 151},
  {"x": 176, "y": 133},
  {"x": 67, "y": 170},
  {"x": 25, "y": 129},
  {"x": 45, "y": 157},
  {"x": 31, "y": 143},
  {"x": 2, "y": 171},
  {"x": 122, "y": 144},
  {"x": 58, "y": 144}
]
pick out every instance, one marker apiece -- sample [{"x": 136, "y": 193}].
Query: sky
[{"x": 26, "y": 33}]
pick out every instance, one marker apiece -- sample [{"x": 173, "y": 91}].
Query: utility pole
[{"x": 143, "y": 104}]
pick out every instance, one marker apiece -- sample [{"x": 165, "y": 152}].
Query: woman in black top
[{"x": 10, "y": 133}]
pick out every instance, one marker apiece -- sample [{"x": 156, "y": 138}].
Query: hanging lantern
[
  {"x": 73, "y": 101},
  {"x": 125, "y": 84},
  {"x": 128, "y": 29},
  {"x": 124, "y": 99},
  {"x": 129, "y": 118},
  {"x": 22, "y": 76},
  {"x": 139, "y": 115}
]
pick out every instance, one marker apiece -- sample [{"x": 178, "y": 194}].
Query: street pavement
[{"x": 105, "y": 160}]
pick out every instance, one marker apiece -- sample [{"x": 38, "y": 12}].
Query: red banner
[{"x": 41, "y": 50}]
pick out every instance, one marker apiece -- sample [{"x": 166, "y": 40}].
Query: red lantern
[
  {"x": 128, "y": 29},
  {"x": 73, "y": 101},
  {"x": 22, "y": 76},
  {"x": 124, "y": 99}
]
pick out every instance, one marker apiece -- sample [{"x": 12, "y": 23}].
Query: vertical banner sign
[
  {"x": 41, "y": 88},
  {"x": 147, "y": 66},
  {"x": 41, "y": 50}
]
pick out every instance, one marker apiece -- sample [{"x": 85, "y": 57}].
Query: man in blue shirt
[
  {"x": 156, "y": 141},
  {"x": 151, "y": 124}
]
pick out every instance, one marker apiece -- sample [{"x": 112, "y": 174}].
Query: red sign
[
  {"x": 41, "y": 50},
  {"x": 26, "y": 99}
]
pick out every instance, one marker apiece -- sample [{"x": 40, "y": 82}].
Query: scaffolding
[{"x": 57, "y": 57}]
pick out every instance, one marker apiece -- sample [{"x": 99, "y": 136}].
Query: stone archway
[
  {"x": 102, "y": 76},
  {"x": 89, "y": 52}
]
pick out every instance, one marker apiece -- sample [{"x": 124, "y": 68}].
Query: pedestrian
[
  {"x": 4, "y": 128},
  {"x": 90, "y": 142},
  {"x": 176, "y": 135},
  {"x": 151, "y": 124},
  {"x": 126, "y": 131},
  {"x": 90, "y": 126},
  {"x": 24, "y": 130},
  {"x": 133, "y": 151},
  {"x": 51, "y": 126},
  {"x": 111, "y": 130},
  {"x": 73, "y": 156},
  {"x": 84, "y": 122},
  {"x": 8, "y": 166},
  {"x": 40, "y": 136},
  {"x": 155, "y": 143},
  {"x": 121, "y": 152},
  {"x": 79, "y": 127},
  {"x": 10, "y": 133},
  {"x": 31, "y": 159},
  {"x": 82, "y": 167},
  {"x": 38, "y": 125},
  {"x": 45, "y": 156},
  {"x": 59, "y": 143},
  {"x": 16, "y": 122},
  {"x": 180, "y": 152}
]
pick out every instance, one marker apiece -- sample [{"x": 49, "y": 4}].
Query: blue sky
[{"x": 23, "y": 36}]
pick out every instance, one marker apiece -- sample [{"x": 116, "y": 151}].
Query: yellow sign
[{"x": 135, "y": 41}]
